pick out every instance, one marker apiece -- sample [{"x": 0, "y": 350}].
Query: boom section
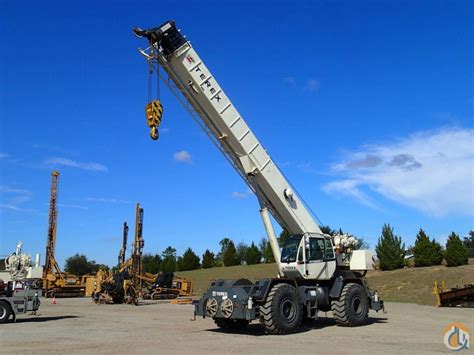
[{"x": 234, "y": 137}]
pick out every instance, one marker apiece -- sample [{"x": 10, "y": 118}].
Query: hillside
[{"x": 414, "y": 285}]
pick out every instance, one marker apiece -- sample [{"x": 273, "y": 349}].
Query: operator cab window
[{"x": 316, "y": 249}]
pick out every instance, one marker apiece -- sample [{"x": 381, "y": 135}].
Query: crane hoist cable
[{"x": 154, "y": 108}]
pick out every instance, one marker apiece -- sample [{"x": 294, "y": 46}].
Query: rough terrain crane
[{"x": 315, "y": 272}]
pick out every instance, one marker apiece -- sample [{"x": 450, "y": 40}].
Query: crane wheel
[
  {"x": 5, "y": 312},
  {"x": 352, "y": 307},
  {"x": 231, "y": 324},
  {"x": 282, "y": 312}
]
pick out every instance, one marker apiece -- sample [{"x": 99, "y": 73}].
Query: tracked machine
[{"x": 315, "y": 271}]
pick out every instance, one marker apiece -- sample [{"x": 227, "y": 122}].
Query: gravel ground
[{"x": 79, "y": 326}]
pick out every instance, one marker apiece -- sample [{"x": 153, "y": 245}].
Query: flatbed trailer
[{"x": 455, "y": 297}]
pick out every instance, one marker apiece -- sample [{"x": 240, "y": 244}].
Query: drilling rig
[
  {"x": 124, "y": 286},
  {"x": 55, "y": 282}
]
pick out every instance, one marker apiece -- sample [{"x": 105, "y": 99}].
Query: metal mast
[{"x": 50, "y": 261}]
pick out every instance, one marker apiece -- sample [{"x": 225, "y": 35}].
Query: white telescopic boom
[{"x": 202, "y": 91}]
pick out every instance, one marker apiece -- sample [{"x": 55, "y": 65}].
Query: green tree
[
  {"x": 390, "y": 249},
  {"x": 426, "y": 252},
  {"x": 253, "y": 255},
  {"x": 229, "y": 257},
  {"x": 207, "y": 259},
  {"x": 282, "y": 238},
  {"x": 169, "y": 260},
  {"x": 241, "y": 250},
  {"x": 220, "y": 256},
  {"x": 456, "y": 252},
  {"x": 469, "y": 243},
  {"x": 266, "y": 251},
  {"x": 151, "y": 263},
  {"x": 79, "y": 265},
  {"x": 190, "y": 260},
  {"x": 328, "y": 230},
  {"x": 262, "y": 245},
  {"x": 269, "y": 257}
]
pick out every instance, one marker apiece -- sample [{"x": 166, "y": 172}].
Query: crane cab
[{"x": 308, "y": 256}]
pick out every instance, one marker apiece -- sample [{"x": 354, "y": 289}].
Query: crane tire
[
  {"x": 282, "y": 312},
  {"x": 352, "y": 307},
  {"x": 5, "y": 312},
  {"x": 231, "y": 324}
]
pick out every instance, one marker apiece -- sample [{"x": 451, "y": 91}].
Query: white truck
[
  {"x": 316, "y": 272},
  {"x": 18, "y": 293}
]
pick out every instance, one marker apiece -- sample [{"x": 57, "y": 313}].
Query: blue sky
[{"x": 367, "y": 107}]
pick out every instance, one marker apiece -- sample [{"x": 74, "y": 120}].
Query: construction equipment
[
  {"x": 55, "y": 282},
  {"x": 18, "y": 293},
  {"x": 454, "y": 297},
  {"x": 165, "y": 285},
  {"x": 313, "y": 274},
  {"x": 125, "y": 285}
]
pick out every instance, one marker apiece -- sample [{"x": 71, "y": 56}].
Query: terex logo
[{"x": 219, "y": 293}]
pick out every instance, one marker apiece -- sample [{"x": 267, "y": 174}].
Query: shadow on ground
[
  {"x": 258, "y": 330},
  {"x": 33, "y": 319}
]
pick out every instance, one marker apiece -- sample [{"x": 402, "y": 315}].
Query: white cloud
[
  {"x": 63, "y": 205},
  {"x": 9, "y": 207},
  {"x": 106, "y": 200},
  {"x": 75, "y": 164},
  {"x": 290, "y": 81},
  {"x": 239, "y": 195},
  {"x": 242, "y": 195},
  {"x": 4, "y": 155},
  {"x": 13, "y": 196},
  {"x": 183, "y": 156},
  {"x": 8, "y": 189},
  {"x": 431, "y": 171},
  {"x": 312, "y": 85},
  {"x": 349, "y": 188}
]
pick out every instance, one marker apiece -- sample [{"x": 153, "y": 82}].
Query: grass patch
[{"x": 414, "y": 285}]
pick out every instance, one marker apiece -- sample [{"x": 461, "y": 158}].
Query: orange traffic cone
[{"x": 53, "y": 301}]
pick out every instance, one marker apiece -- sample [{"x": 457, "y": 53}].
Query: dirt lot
[{"x": 78, "y": 325}]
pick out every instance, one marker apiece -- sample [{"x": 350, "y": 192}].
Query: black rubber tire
[
  {"x": 5, "y": 312},
  {"x": 282, "y": 312},
  {"x": 352, "y": 307},
  {"x": 231, "y": 324}
]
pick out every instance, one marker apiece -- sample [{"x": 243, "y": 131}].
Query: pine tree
[
  {"x": 253, "y": 255},
  {"x": 282, "y": 238},
  {"x": 390, "y": 250},
  {"x": 241, "y": 249},
  {"x": 456, "y": 252},
  {"x": 207, "y": 259},
  {"x": 269, "y": 257},
  {"x": 190, "y": 260},
  {"x": 229, "y": 257},
  {"x": 169, "y": 260},
  {"x": 426, "y": 252},
  {"x": 151, "y": 263}
]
